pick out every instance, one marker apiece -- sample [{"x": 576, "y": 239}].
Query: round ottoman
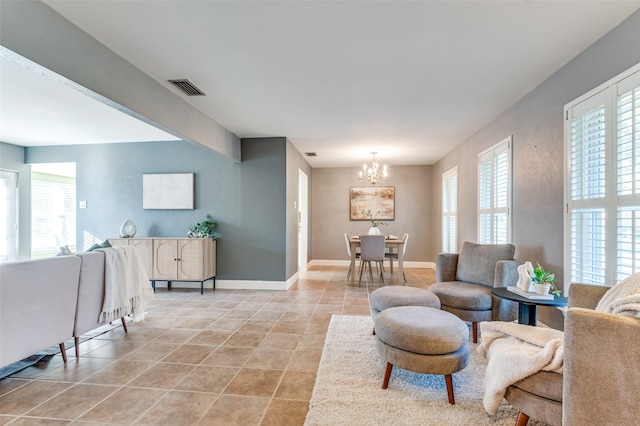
[
  {"x": 392, "y": 296},
  {"x": 423, "y": 340}
]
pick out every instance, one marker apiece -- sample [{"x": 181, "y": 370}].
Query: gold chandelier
[{"x": 374, "y": 173}]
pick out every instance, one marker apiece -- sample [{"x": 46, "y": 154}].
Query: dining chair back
[
  {"x": 372, "y": 250},
  {"x": 394, "y": 255}
]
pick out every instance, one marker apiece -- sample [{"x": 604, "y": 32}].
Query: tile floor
[{"x": 228, "y": 357}]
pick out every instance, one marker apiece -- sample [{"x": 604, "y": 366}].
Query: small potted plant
[
  {"x": 543, "y": 281},
  {"x": 374, "y": 223},
  {"x": 204, "y": 229}
]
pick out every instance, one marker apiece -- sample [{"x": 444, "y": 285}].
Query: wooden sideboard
[{"x": 175, "y": 259}]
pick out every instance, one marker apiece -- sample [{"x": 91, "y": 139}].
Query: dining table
[{"x": 390, "y": 242}]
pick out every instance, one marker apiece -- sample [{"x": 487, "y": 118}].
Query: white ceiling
[{"x": 410, "y": 80}]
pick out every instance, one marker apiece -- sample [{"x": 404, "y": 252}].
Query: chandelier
[{"x": 374, "y": 173}]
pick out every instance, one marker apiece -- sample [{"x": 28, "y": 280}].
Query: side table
[{"x": 528, "y": 308}]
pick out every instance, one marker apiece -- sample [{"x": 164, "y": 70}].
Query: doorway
[{"x": 303, "y": 220}]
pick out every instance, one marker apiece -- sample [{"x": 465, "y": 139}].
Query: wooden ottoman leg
[
  {"x": 522, "y": 419},
  {"x": 77, "y": 342},
  {"x": 124, "y": 325},
  {"x": 449, "y": 380},
  {"x": 387, "y": 375},
  {"x": 63, "y": 352},
  {"x": 474, "y": 326}
]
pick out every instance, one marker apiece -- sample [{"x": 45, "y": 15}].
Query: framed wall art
[
  {"x": 380, "y": 200},
  {"x": 170, "y": 191}
]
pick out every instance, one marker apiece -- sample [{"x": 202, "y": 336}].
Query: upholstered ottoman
[
  {"x": 423, "y": 340},
  {"x": 393, "y": 296}
]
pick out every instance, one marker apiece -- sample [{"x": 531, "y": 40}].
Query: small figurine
[{"x": 524, "y": 273}]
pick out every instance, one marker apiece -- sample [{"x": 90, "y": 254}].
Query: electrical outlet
[{"x": 83, "y": 204}]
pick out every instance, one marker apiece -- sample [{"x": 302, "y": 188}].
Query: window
[
  {"x": 9, "y": 215},
  {"x": 449, "y": 210},
  {"x": 602, "y": 181},
  {"x": 494, "y": 194},
  {"x": 53, "y": 212}
]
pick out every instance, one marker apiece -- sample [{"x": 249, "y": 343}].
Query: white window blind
[
  {"x": 449, "y": 210},
  {"x": 494, "y": 194},
  {"x": 603, "y": 180},
  {"x": 53, "y": 214}
]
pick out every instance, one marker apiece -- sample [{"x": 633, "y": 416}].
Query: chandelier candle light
[{"x": 374, "y": 174}]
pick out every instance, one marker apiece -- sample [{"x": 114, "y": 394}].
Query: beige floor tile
[
  {"x": 210, "y": 337},
  {"x": 305, "y": 361},
  {"x": 77, "y": 369},
  {"x": 247, "y": 339},
  {"x": 281, "y": 340},
  {"x": 290, "y": 327},
  {"x": 254, "y": 382},
  {"x": 227, "y": 324},
  {"x": 32, "y": 421},
  {"x": 285, "y": 412},
  {"x": 124, "y": 406},
  {"x": 115, "y": 349},
  {"x": 296, "y": 385},
  {"x": 162, "y": 375},
  {"x": 189, "y": 354},
  {"x": 30, "y": 396},
  {"x": 269, "y": 358},
  {"x": 178, "y": 408},
  {"x": 73, "y": 402},
  {"x": 265, "y": 315},
  {"x": 152, "y": 351},
  {"x": 207, "y": 378},
  {"x": 118, "y": 373},
  {"x": 230, "y": 410},
  {"x": 257, "y": 326},
  {"x": 230, "y": 356},
  {"x": 9, "y": 384}
]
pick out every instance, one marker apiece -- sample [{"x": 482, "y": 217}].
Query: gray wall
[
  {"x": 536, "y": 123},
  {"x": 414, "y": 210},
  {"x": 12, "y": 158},
  {"x": 246, "y": 199},
  {"x": 295, "y": 162}
]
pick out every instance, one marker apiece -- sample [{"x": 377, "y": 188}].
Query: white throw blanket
[
  {"x": 515, "y": 351},
  {"x": 126, "y": 284},
  {"x": 623, "y": 298}
]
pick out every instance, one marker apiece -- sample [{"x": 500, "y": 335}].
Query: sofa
[
  {"x": 44, "y": 302},
  {"x": 600, "y": 383}
]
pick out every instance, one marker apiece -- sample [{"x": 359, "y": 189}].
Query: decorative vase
[
  {"x": 128, "y": 229},
  {"x": 374, "y": 230},
  {"x": 542, "y": 288}
]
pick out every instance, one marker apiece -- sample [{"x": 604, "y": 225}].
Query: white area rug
[{"x": 348, "y": 386}]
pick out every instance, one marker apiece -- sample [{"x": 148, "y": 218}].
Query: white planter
[
  {"x": 374, "y": 230},
  {"x": 542, "y": 288}
]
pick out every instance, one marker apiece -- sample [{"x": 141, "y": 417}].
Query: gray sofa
[
  {"x": 600, "y": 383},
  {"x": 44, "y": 302}
]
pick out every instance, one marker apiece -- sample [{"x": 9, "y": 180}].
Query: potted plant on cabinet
[
  {"x": 543, "y": 281},
  {"x": 204, "y": 229}
]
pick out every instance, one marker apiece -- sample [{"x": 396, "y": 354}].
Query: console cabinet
[{"x": 176, "y": 259}]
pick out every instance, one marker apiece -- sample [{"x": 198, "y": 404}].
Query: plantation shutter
[
  {"x": 603, "y": 176},
  {"x": 449, "y": 210},
  {"x": 494, "y": 194}
]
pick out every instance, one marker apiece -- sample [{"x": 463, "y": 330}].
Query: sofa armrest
[
  {"x": 446, "y": 267},
  {"x": 586, "y": 295},
  {"x": 506, "y": 273},
  {"x": 601, "y": 375}
]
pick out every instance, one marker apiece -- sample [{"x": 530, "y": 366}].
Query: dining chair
[
  {"x": 394, "y": 255},
  {"x": 372, "y": 250},
  {"x": 347, "y": 240}
]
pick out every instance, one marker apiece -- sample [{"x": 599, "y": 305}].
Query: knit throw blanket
[
  {"x": 623, "y": 298},
  {"x": 515, "y": 351},
  {"x": 126, "y": 284}
]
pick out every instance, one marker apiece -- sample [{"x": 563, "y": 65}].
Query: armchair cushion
[
  {"x": 476, "y": 262},
  {"x": 463, "y": 295}
]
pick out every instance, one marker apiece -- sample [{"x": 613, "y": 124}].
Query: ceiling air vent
[
  {"x": 311, "y": 154},
  {"x": 187, "y": 87}
]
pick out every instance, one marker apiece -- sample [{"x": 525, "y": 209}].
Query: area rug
[{"x": 348, "y": 386}]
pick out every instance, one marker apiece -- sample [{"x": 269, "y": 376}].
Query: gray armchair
[
  {"x": 464, "y": 282},
  {"x": 600, "y": 383}
]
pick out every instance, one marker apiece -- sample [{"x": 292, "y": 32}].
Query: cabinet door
[
  {"x": 145, "y": 251},
  {"x": 190, "y": 266},
  {"x": 165, "y": 259}
]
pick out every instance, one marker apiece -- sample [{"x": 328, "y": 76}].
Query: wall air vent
[
  {"x": 187, "y": 87},
  {"x": 311, "y": 154}
]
